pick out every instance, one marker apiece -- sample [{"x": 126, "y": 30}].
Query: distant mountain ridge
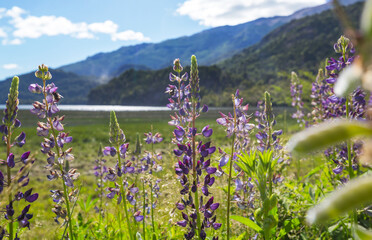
[
  {"x": 211, "y": 46},
  {"x": 300, "y": 45},
  {"x": 72, "y": 87},
  {"x": 228, "y": 75}
]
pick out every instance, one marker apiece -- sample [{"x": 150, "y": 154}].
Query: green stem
[
  {"x": 101, "y": 195},
  {"x": 350, "y": 167},
  {"x": 229, "y": 189},
  {"x": 350, "y": 160},
  {"x": 152, "y": 210},
  {"x": 230, "y": 173},
  {"x": 65, "y": 192},
  {"x": 144, "y": 211},
  {"x": 196, "y": 197},
  {"x": 9, "y": 175},
  {"x": 123, "y": 197},
  {"x": 119, "y": 220}
]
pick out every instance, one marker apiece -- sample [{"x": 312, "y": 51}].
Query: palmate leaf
[
  {"x": 246, "y": 221},
  {"x": 327, "y": 133},
  {"x": 355, "y": 194}
]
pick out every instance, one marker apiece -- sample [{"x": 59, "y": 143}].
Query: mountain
[
  {"x": 211, "y": 46},
  {"x": 72, "y": 87},
  {"x": 300, "y": 45}
]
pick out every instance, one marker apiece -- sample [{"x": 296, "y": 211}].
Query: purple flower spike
[
  {"x": 111, "y": 195},
  {"x": 177, "y": 152},
  {"x": 214, "y": 206},
  {"x": 139, "y": 218},
  {"x": 17, "y": 123},
  {"x": 207, "y": 132},
  {"x": 216, "y": 226},
  {"x": 182, "y": 223},
  {"x": 123, "y": 148},
  {"x": 32, "y": 198},
  {"x": 35, "y": 88},
  {"x": 204, "y": 108},
  {"x": 205, "y": 190},
  {"x": 180, "y": 206},
  {"x": 25, "y": 156},
  {"x": 21, "y": 139},
  {"x": 338, "y": 169},
  {"x": 4, "y": 129},
  {"x": 203, "y": 235},
  {"x": 224, "y": 160},
  {"x": 211, "y": 170},
  {"x": 58, "y": 125},
  {"x": 10, "y": 160}
]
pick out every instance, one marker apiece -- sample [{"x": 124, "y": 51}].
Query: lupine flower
[
  {"x": 266, "y": 137},
  {"x": 53, "y": 146},
  {"x": 326, "y": 105},
  {"x": 193, "y": 167},
  {"x": 9, "y": 123},
  {"x": 296, "y": 94},
  {"x": 125, "y": 190}
]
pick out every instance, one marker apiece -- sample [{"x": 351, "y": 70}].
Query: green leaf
[
  {"x": 327, "y": 133},
  {"x": 361, "y": 233},
  {"x": 366, "y": 19},
  {"x": 246, "y": 221},
  {"x": 242, "y": 236},
  {"x": 355, "y": 194}
]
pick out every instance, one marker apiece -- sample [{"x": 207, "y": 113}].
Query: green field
[{"x": 89, "y": 130}]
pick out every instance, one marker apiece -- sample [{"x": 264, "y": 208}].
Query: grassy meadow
[{"x": 89, "y": 130}]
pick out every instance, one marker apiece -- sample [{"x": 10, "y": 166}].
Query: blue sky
[{"x": 59, "y": 32}]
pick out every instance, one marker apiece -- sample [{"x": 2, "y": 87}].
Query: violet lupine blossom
[
  {"x": 194, "y": 169},
  {"x": 267, "y": 137},
  {"x": 125, "y": 191},
  {"x": 53, "y": 146},
  {"x": 100, "y": 171},
  {"x": 296, "y": 94},
  {"x": 150, "y": 160},
  {"x": 242, "y": 129},
  {"x": 244, "y": 193},
  {"x": 326, "y": 105},
  {"x": 21, "y": 179}
]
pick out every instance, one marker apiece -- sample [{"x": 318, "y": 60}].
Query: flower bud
[
  {"x": 43, "y": 68},
  {"x": 48, "y": 76},
  {"x": 38, "y": 74},
  {"x": 177, "y": 65}
]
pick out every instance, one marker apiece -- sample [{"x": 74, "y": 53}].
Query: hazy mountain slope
[
  {"x": 296, "y": 46},
  {"x": 72, "y": 87},
  {"x": 211, "y": 46}
]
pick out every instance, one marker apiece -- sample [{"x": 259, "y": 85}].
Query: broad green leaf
[
  {"x": 327, "y": 133},
  {"x": 242, "y": 236},
  {"x": 366, "y": 19},
  {"x": 361, "y": 233},
  {"x": 355, "y": 193},
  {"x": 246, "y": 221}
]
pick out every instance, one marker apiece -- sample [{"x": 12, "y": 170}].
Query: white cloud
[
  {"x": 15, "y": 41},
  {"x": 15, "y": 12},
  {"x": 2, "y": 12},
  {"x": 231, "y": 12},
  {"x": 27, "y": 26},
  {"x": 3, "y": 33},
  {"x": 108, "y": 27},
  {"x": 35, "y": 27},
  {"x": 129, "y": 35},
  {"x": 10, "y": 66}
]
